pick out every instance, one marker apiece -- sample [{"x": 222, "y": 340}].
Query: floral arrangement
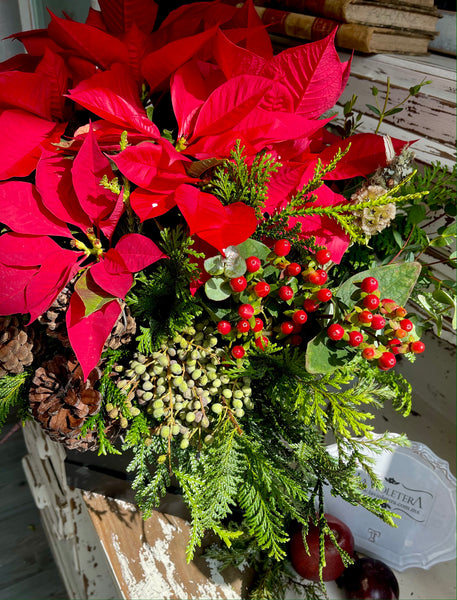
[{"x": 181, "y": 227}]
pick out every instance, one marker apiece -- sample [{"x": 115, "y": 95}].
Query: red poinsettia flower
[{"x": 35, "y": 268}]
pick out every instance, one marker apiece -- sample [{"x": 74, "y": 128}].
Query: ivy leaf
[{"x": 395, "y": 281}]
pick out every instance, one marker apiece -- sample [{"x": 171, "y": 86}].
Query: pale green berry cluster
[{"x": 185, "y": 388}]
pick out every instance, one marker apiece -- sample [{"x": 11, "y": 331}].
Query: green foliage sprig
[{"x": 13, "y": 394}]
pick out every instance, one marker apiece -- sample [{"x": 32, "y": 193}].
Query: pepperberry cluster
[
  {"x": 260, "y": 293},
  {"x": 378, "y": 326}
]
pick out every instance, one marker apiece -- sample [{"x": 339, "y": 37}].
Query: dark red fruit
[
  {"x": 262, "y": 289},
  {"x": 417, "y": 347},
  {"x": 323, "y": 256},
  {"x": 378, "y": 322},
  {"x": 286, "y": 293},
  {"x": 406, "y": 324},
  {"x": 307, "y": 565},
  {"x": 369, "y": 579},
  {"x": 224, "y": 327},
  {"x": 310, "y": 305},
  {"x": 238, "y": 351},
  {"x": 258, "y": 324},
  {"x": 299, "y": 317},
  {"x": 261, "y": 342},
  {"x": 355, "y": 338},
  {"x": 324, "y": 295},
  {"x": 296, "y": 340},
  {"x": 318, "y": 277},
  {"x": 369, "y": 284},
  {"x": 335, "y": 331},
  {"x": 287, "y": 327},
  {"x": 281, "y": 247},
  {"x": 246, "y": 311},
  {"x": 371, "y": 302},
  {"x": 238, "y": 284},
  {"x": 293, "y": 269},
  {"x": 365, "y": 316},
  {"x": 253, "y": 264},
  {"x": 243, "y": 326},
  {"x": 386, "y": 361}
]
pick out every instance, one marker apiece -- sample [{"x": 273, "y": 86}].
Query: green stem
[{"x": 381, "y": 116}]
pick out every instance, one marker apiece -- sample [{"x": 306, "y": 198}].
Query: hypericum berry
[
  {"x": 281, "y": 247},
  {"x": 286, "y": 293},
  {"x": 368, "y": 353},
  {"x": 299, "y": 317},
  {"x": 365, "y": 317},
  {"x": 310, "y": 305},
  {"x": 417, "y": 347},
  {"x": 400, "y": 312},
  {"x": 406, "y": 324},
  {"x": 355, "y": 338},
  {"x": 293, "y": 269},
  {"x": 400, "y": 333},
  {"x": 335, "y": 332},
  {"x": 253, "y": 264},
  {"x": 296, "y": 340},
  {"x": 243, "y": 326},
  {"x": 262, "y": 289},
  {"x": 261, "y": 342},
  {"x": 238, "y": 351},
  {"x": 318, "y": 277},
  {"x": 323, "y": 256},
  {"x": 246, "y": 311},
  {"x": 393, "y": 345},
  {"x": 238, "y": 284},
  {"x": 287, "y": 327},
  {"x": 378, "y": 322},
  {"x": 324, "y": 295},
  {"x": 386, "y": 361},
  {"x": 258, "y": 324},
  {"x": 371, "y": 302},
  {"x": 369, "y": 284},
  {"x": 297, "y": 327},
  {"x": 224, "y": 327}
]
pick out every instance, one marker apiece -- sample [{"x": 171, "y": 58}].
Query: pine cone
[
  {"x": 54, "y": 317},
  {"x": 123, "y": 330},
  {"x": 61, "y": 401},
  {"x": 18, "y": 345}
]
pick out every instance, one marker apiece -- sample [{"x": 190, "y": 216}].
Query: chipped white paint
[{"x": 216, "y": 577}]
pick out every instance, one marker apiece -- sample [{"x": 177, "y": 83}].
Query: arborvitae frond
[
  {"x": 12, "y": 392},
  {"x": 235, "y": 181},
  {"x": 400, "y": 390}
]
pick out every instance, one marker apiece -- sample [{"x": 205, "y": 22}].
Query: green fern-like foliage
[{"x": 13, "y": 394}]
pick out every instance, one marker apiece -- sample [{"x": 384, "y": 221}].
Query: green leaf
[
  {"x": 217, "y": 288},
  {"x": 395, "y": 281},
  {"x": 214, "y": 265},
  {"x": 373, "y": 108},
  {"x": 392, "y": 111},
  {"x": 416, "y": 213},
  {"x": 324, "y": 356},
  {"x": 234, "y": 264},
  {"x": 93, "y": 297},
  {"x": 397, "y": 237},
  {"x": 253, "y": 248},
  {"x": 443, "y": 297}
]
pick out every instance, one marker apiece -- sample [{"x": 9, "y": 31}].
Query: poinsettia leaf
[
  {"x": 148, "y": 205},
  {"x": 324, "y": 356},
  {"x": 88, "y": 42},
  {"x": 19, "y": 154},
  {"x": 54, "y": 68},
  {"x": 234, "y": 60},
  {"x": 92, "y": 295},
  {"x": 94, "y": 19},
  {"x": 19, "y": 250},
  {"x": 138, "y": 251},
  {"x": 367, "y": 152},
  {"x": 137, "y": 43},
  {"x": 120, "y": 15},
  {"x": 55, "y": 272},
  {"x": 88, "y": 335},
  {"x": 109, "y": 224},
  {"x": 20, "y": 62},
  {"x": 113, "y": 95},
  {"x": 22, "y": 210},
  {"x": 395, "y": 281},
  {"x": 55, "y": 186},
  {"x": 112, "y": 275},
  {"x": 256, "y": 38},
  {"x": 160, "y": 64},
  {"x": 13, "y": 283},
  {"x": 89, "y": 167},
  {"x": 27, "y": 91},
  {"x": 218, "y": 225}
]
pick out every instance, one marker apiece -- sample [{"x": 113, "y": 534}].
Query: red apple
[
  {"x": 369, "y": 579},
  {"x": 307, "y": 565}
]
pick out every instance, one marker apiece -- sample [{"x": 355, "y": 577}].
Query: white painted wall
[{"x": 10, "y": 22}]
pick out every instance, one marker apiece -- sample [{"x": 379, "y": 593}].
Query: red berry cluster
[
  {"x": 378, "y": 326},
  {"x": 300, "y": 286}
]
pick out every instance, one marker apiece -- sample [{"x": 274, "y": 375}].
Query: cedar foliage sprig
[{"x": 13, "y": 393}]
